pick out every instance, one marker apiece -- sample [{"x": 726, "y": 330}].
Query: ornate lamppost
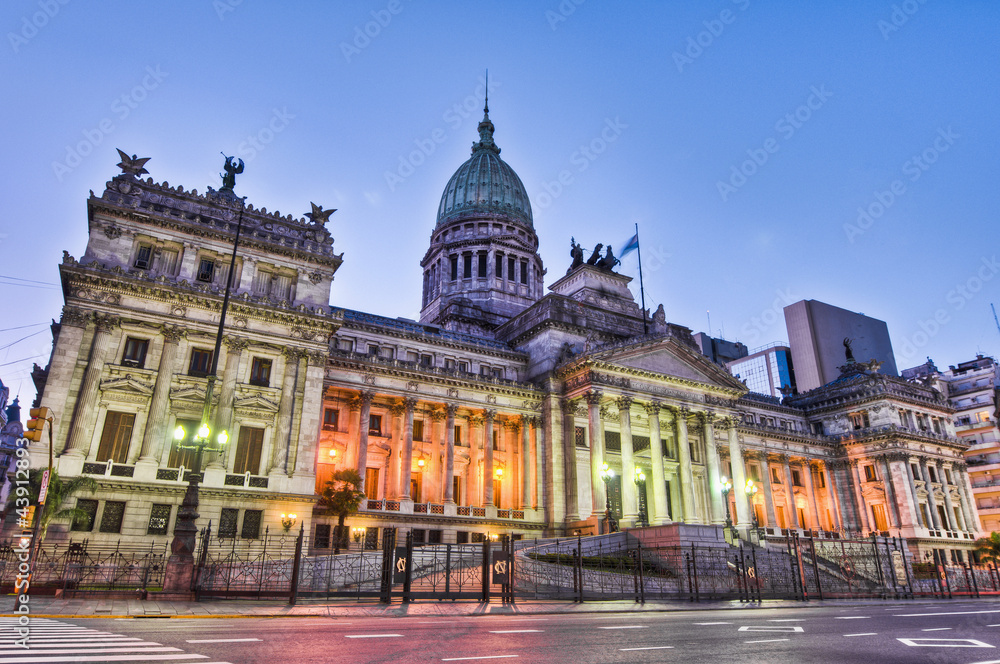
[
  {"x": 607, "y": 473},
  {"x": 726, "y": 486},
  {"x": 179, "y": 572},
  {"x": 640, "y": 485},
  {"x": 751, "y": 491}
]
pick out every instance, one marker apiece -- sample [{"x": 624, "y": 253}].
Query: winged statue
[{"x": 132, "y": 165}]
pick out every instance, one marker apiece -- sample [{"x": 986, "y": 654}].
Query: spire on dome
[{"x": 486, "y": 126}]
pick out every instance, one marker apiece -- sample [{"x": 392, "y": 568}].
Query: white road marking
[
  {"x": 74, "y": 651},
  {"x": 786, "y": 619},
  {"x": 625, "y": 627},
  {"x": 715, "y": 623},
  {"x": 993, "y": 625},
  {"x": 647, "y": 648},
  {"x": 863, "y": 634},
  {"x": 850, "y": 617},
  {"x": 946, "y": 643},
  {"x": 43, "y": 646},
  {"x": 943, "y": 613},
  {"x": 771, "y": 628},
  {"x": 458, "y": 659},
  {"x": 766, "y": 641},
  {"x": 515, "y": 631},
  {"x": 935, "y": 629},
  {"x": 34, "y": 659},
  {"x": 220, "y": 640},
  {"x": 370, "y": 636}
]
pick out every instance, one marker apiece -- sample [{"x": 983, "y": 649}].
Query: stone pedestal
[{"x": 178, "y": 574}]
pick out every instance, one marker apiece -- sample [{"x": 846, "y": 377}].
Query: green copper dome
[{"x": 485, "y": 185}]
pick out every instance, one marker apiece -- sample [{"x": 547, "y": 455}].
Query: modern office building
[
  {"x": 816, "y": 335},
  {"x": 767, "y": 370}
]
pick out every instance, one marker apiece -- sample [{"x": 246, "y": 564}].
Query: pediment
[
  {"x": 188, "y": 393},
  {"x": 669, "y": 357},
  {"x": 126, "y": 384},
  {"x": 256, "y": 402}
]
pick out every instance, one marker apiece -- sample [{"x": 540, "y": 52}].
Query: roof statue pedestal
[{"x": 590, "y": 283}]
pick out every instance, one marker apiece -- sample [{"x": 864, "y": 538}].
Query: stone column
[
  {"x": 62, "y": 364},
  {"x": 538, "y": 462},
  {"x": 686, "y": 474},
  {"x": 949, "y": 510},
  {"x": 931, "y": 500},
  {"x": 488, "y": 416},
  {"x": 790, "y": 491},
  {"x": 154, "y": 435},
  {"x": 572, "y": 486},
  {"x": 807, "y": 470},
  {"x": 366, "y": 410},
  {"x": 858, "y": 480},
  {"x": 903, "y": 489},
  {"x": 82, "y": 428},
  {"x": 715, "y": 499},
  {"x": 765, "y": 472},
  {"x": 913, "y": 492},
  {"x": 394, "y": 481},
  {"x": 283, "y": 428},
  {"x": 449, "y": 467},
  {"x": 301, "y": 410},
  {"x": 659, "y": 516},
  {"x": 834, "y": 498},
  {"x": 525, "y": 463},
  {"x": 965, "y": 488},
  {"x": 473, "y": 493},
  {"x": 596, "y": 434},
  {"x": 553, "y": 467},
  {"x": 224, "y": 415},
  {"x": 630, "y": 507},
  {"x": 742, "y": 516},
  {"x": 890, "y": 493},
  {"x": 433, "y": 470}
]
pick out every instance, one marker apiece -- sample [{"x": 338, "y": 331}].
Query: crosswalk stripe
[
  {"x": 77, "y": 651},
  {"x": 36, "y": 645},
  {"x": 99, "y": 658}
]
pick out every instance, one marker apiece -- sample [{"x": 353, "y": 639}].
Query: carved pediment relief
[
  {"x": 873, "y": 492},
  {"x": 255, "y": 402},
  {"x": 128, "y": 385},
  {"x": 188, "y": 393}
]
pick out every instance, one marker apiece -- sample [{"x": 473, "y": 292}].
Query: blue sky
[{"x": 769, "y": 151}]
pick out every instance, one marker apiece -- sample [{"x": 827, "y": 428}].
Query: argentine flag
[{"x": 630, "y": 246}]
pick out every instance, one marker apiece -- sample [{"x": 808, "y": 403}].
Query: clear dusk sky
[{"x": 847, "y": 152}]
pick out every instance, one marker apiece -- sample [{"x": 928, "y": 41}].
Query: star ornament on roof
[
  {"x": 132, "y": 165},
  {"x": 319, "y": 216}
]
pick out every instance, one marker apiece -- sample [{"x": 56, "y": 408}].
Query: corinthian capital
[{"x": 593, "y": 397}]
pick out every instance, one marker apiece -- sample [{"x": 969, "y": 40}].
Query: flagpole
[{"x": 642, "y": 291}]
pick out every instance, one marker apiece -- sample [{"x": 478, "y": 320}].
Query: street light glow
[
  {"x": 203, "y": 431},
  {"x": 179, "y": 433}
]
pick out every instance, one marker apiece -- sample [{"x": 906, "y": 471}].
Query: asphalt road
[{"x": 961, "y": 631}]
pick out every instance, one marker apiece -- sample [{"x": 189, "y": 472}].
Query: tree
[
  {"x": 342, "y": 496},
  {"x": 60, "y": 491},
  {"x": 988, "y": 548}
]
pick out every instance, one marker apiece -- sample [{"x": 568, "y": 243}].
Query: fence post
[
  {"x": 579, "y": 565},
  {"x": 756, "y": 572},
  {"x": 206, "y": 535},
  {"x": 819, "y": 585},
  {"x": 694, "y": 568},
  {"x": 642, "y": 583},
  {"x": 741, "y": 570},
  {"x": 511, "y": 567},
  {"x": 293, "y": 592},
  {"x": 388, "y": 563},
  {"x": 486, "y": 570},
  {"x": 408, "y": 576},
  {"x": 975, "y": 586}
]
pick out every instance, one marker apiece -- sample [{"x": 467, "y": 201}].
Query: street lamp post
[
  {"x": 726, "y": 486},
  {"x": 607, "y": 473},
  {"x": 751, "y": 491},
  {"x": 179, "y": 571},
  {"x": 640, "y": 484}
]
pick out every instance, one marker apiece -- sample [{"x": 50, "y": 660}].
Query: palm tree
[
  {"x": 988, "y": 548},
  {"x": 59, "y": 492},
  {"x": 342, "y": 496}
]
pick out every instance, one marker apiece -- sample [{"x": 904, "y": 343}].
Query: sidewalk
[{"x": 50, "y": 607}]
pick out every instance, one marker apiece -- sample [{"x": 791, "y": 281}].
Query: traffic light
[{"x": 36, "y": 424}]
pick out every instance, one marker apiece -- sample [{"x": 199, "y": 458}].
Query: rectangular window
[
  {"x": 251, "y": 524},
  {"x": 496, "y": 493},
  {"x": 775, "y": 477},
  {"x": 467, "y": 265},
  {"x": 449, "y": 364},
  {"x": 371, "y": 483},
  {"x": 754, "y": 472},
  {"x": 426, "y": 360},
  {"x": 524, "y": 272},
  {"x": 331, "y": 418},
  {"x": 135, "y": 352},
  {"x": 511, "y": 267},
  {"x": 482, "y": 265},
  {"x": 497, "y": 372},
  {"x": 183, "y": 456},
  {"x": 116, "y": 437},
  {"x": 456, "y": 488},
  {"x": 463, "y": 366},
  {"x": 796, "y": 478},
  {"x": 322, "y": 540},
  {"x": 870, "y": 473},
  {"x": 227, "y": 523},
  {"x": 454, "y": 268},
  {"x": 260, "y": 372},
  {"x": 612, "y": 441},
  {"x": 496, "y": 440},
  {"x": 418, "y": 430},
  {"x": 201, "y": 362},
  {"x": 248, "y": 450},
  {"x": 206, "y": 270},
  {"x": 143, "y": 257},
  {"x": 345, "y": 344},
  {"x": 262, "y": 281},
  {"x": 499, "y": 266},
  {"x": 159, "y": 520},
  {"x": 386, "y": 352},
  {"x": 168, "y": 262},
  {"x": 580, "y": 436},
  {"x": 458, "y": 434},
  {"x": 111, "y": 519},
  {"x": 375, "y": 425},
  {"x": 84, "y": 521}
]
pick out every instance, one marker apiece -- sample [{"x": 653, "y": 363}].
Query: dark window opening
[
  {"x": 135, "y": 352},
  {"x": 467, "y": 265},
  {"x": 454, "y": 267},
  {"x": 227, "y": 523},
  {"x": 251, "y": 524},
  {"x": 84, "y": 521},
  {"x": 111, "y": 519},
  {"x": 159, "y": 520},
  {"x": 206, "y": 270},
  {"x": 331, "y": 418},
  {"x": 482, "y": 265},
  {"x": 499, "y": 266},
  {"x": 201, "y": 363},
  {"x": 375, "y": 425},
  {"x": 143, "y": 257},
  {"x": 524, "y": 272},
  {"x": 260, "y": 372},
  {"x": 116, "y": 437},
  {"x": 248, "y": 450}
]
